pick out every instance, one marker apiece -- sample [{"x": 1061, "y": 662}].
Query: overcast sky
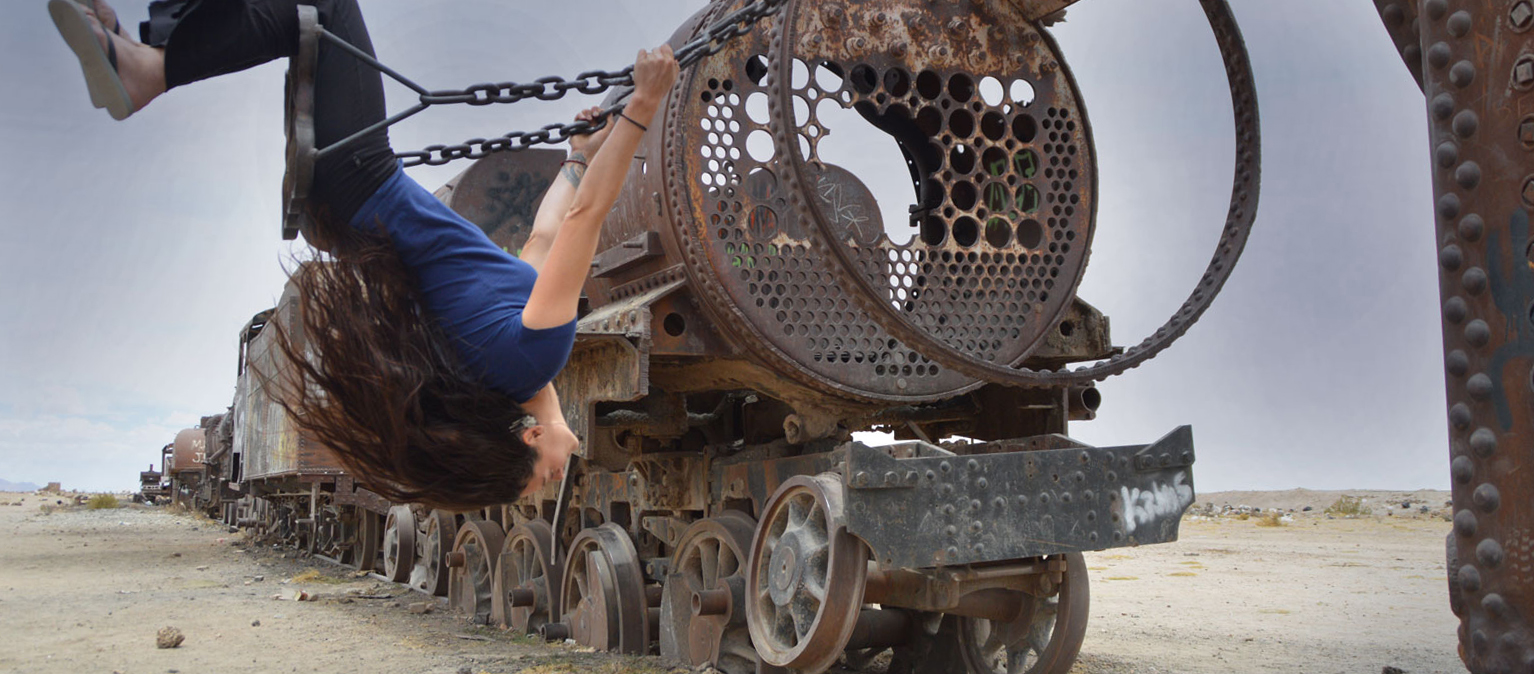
[{"x": 132, "y": 252}]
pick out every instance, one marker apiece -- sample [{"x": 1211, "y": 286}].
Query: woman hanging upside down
[{"x": 431, "y": 345}]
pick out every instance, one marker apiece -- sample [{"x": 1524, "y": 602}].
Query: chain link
[{"x": 710, "y": 42}]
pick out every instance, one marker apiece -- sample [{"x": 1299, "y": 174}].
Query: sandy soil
[{"x": 86, "y": 590}]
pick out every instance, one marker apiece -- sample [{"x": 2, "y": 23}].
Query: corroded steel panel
[
  {"x": 188, "y": 450},
  {"x": 1475, "y": 62}
]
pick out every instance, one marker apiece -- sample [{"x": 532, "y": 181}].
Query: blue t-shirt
[{"x": 475, "y": 289}]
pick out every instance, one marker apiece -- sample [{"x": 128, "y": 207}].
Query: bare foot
[{"x": 106, "y": 15}]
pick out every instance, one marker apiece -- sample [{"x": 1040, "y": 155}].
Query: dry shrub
[
  {"x": 1272, "y": 519},
  {"x": 1348, "y": 506},
  {"x": 102, "y": 502}
]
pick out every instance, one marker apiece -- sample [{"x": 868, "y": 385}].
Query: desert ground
[{"x": 1281, "y": 589}]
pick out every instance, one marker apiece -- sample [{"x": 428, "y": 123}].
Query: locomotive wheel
[
  {"x": 399, "y": 544},
  {"x": 434, "y": 541},
  {"x": 702, "y": 611},
  {"x": 471, "y": 571},
  {"x": 525, "y": 567},
  {"x": 603, "y": 595},
  {"x": 369, "y": 536},
  {"x": 1044, "y": 639},
  {"x": 806, "y": 576}
]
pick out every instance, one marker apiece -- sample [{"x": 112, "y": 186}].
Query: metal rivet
[
  {"x": 1521, "y": 16},
  {"x": 1466, "y": 123},
  {"x": 1469, "y": 578},
  {"x": 1495, "y": 605},
  {"x": 1464, "y": 522},
  {"x": 1459, "y": 23},
  {"x": 931, "y": 476},
  {"x": 945, "y": 467},
  {"x": 1463, "y": 74},
  {"x": 1478, "y": 333},
  {"x": 948, "y": 509},
  {"x": 1528, "y": 191},
  {"x": 982, "y": 483},
  {"x": 999, "y": 503},
  {"x": 974, "y": 527},
  {"x": 974, "y": 505},
  {"x": 860, "y": 478},
  {"x": 979, "y": 548},
  {"x": 1457, "y": 363},
  {"x": 1448, "y": 206},
  {"x": 1436, "y": 8},
  {"x": 1479, "y": 386},
  {"x": 1021, "y": 500},
  {"x": 1460, "y": 416},
  {"x": 1442, "y": 106},
  {"x": 1044, "y": 498},
  {"x": 1438, "y": 55},
  {"x": 1474, "y": 280},
  {"x": 972, "y": 465},
  {"x": 1479, "y": 642},
  {"x": 951, "y": 530},
  {"x": 1451, "y": 257},
  {"x": 1392, "y": 14},
  {"x": 1446, "y": 154},
  {"x": 1483, "y": 442},
  {"x": 1471, "y": 227},
  {"x": 1455, "y": 310},
  {"x": 1490, "y": 553},
  {"x": 1523, "y": 72},
  {"x": 952, "y": 552},
  {"x": 1412, "y": 53},
  {"x": 1092, "y": 536},
  {"x": 891, "y": 478},
  {"x": 1463, "y": 469},
  {"x": 1468, "y": 175},
  {"x": 1487, "y": 497}
]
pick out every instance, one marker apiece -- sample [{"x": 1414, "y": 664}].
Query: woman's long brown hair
[{"x": 374, "y": 378}]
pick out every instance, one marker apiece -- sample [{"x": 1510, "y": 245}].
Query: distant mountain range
[{"x": 17, "y": 486}]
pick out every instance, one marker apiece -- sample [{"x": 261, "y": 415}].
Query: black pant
[{"x": 208, "y": 39}]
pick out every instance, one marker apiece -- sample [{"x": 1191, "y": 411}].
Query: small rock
[
  {"x": 259, "y": 578},
  {"x": 1406, "y": 505},
  {"x": 1306, "y": 509},
  {"x": 421, "y": 607},
  {"x": 1424, "y": 510},
  {"x": 202, "y": 568},
  {"x": 255, "y": 623},
  {"x": 1392, "y": 670},
  {"x": 169, "y": 637},
  {"x": 175, "y": 554},
  {"x": 465, "y": 670}
]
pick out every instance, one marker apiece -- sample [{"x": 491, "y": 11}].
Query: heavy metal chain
[{"x": 708, "y": 43}]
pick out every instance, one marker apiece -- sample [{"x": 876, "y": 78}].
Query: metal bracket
[
  {"x": 921, "y": 506},
  {"x": 299, "y": 122}
]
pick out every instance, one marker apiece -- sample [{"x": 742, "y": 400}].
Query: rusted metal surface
[
  {"x": 703, "y": 609},
  {"x": 188, "y": 451},
  {"x": 527, "y": 580},
  {"x": 603, "y": 598},
  {"x": 804, "y": 585},
  {"x": 471, "y": 578},
  {"x": 272, "y": 446},
  {"x": 1477, "y": 72},
  {"x": 501, "y": 193}
]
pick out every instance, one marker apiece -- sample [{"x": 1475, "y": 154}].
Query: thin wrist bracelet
[{"x": 631, "y": 121}]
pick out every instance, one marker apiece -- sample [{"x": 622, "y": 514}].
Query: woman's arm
[
  {"x": 556, "y": 201},
  {"x": 558, "y": 288}
]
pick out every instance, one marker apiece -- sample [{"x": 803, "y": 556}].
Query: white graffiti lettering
[{"x": 1147, "y": 506}]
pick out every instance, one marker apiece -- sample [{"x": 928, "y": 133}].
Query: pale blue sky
[{"x": 132, "y": 252}]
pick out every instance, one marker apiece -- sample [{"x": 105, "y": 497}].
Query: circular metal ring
[
  {"x": 471, "y": 584},
  {"x": 1045, "y": 638},
  {"x": 602, "y": 596},
  {"x": 434, "y": 541},
  {"x": 804, "y": 588},
  {"x": 702, "y": 610},
  {"x": 399, "y": 544},
  {"x": 527, "y": 581}
]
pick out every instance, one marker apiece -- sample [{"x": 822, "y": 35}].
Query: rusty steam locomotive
[{"x": 751, "y": 308}]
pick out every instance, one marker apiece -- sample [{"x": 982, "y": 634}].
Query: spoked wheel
[
  {"x": 526, "y": 580},
  {"x": 702, "y": 610},
  {"x": 1044, "y": 639},
  {"x": 399, "y": 544},
  {"x": 602, "y": 596},
  {"x": 471, "y": 569},
  {"x": 805, "y": 584},
  {"x": 433, "y": 542},
  {"x": 369, "y": 537}
]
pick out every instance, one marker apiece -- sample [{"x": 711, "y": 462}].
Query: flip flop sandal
[
  {"x": 117, "y": 24},
  {"x": 99, "y": 64}
]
